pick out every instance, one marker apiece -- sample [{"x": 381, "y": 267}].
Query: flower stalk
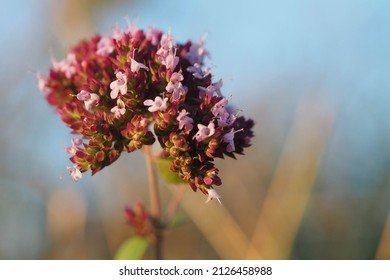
[{"x": 155, "y": 204}]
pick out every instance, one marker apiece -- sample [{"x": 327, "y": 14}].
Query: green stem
[{"x": 155, "y": 205}]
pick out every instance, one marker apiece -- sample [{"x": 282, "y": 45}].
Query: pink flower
[
  {"x": 213, "y": 194},
  {"x": 209, "y": 91},
  {"x": 229, "y": 139},
  {"x": 117, "y": 32},
  {"x": 42, "y": 83},
  {"x": 67, "y": 65},
  {"x": 120, "y": 108},
  {"x": 105, "y": 46},
  {"x": 204, "y": 132},
  {"x": 90, "y": 99},
  {"x": 226, "y": 119},
  {"x": 73, "y": 149},
  {"x": 157, "y": 105},
  {"x": 119, "y": 85},
  {"x": 197, "y": 71},
  {"x": 166, "y": 44},
  {"x": 75, "y": 173},
  {"x": 135, "y": 66},
  {"x": 165, "y": 52},
  {"x": 219, "y": 107},
  {"x": 175, "y": 86},
  {"x": 132, "y": 28},
  {"x": 170, "y": 61},
  {"x": 152, "y": 35},
  {"x": 184, "y": 121}
]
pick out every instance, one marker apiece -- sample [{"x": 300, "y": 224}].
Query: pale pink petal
[{"x": 213, "y": 194}]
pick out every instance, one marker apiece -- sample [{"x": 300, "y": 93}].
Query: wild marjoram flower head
[{"x": 108, "y": 89}]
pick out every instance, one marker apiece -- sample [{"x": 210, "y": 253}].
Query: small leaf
[
  {"x": 132, "y": 249},
  {"x": 169, "y": 176}
]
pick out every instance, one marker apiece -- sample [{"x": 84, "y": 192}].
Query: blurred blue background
[{"x": 314, "y": 75}]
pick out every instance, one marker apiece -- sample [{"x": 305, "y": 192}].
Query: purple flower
[
  {"x": 184, "y": 120},
  {"x": 204, "y": 132},
  {"x": 197, "y": 71},
  {"x": 119, "y": 85},
  {"x": 158, "y": 104},
  {"x": 120, "y": 108},
  {"x": 219, "y": 108},
  {"x": 197, "y": 52},
  {"x": 217, "y": 87},
  {"x": 226, "y": 119},
  {"x": 213, "y": 194},
  {"x": 229, "y": 139}
]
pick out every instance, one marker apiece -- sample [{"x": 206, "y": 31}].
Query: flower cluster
[{"x": 109, "y": 89}]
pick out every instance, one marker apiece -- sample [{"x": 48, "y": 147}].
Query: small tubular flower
[
  {"x": 213, "y": 194},
  {"x": 135, "y": 66},
  {"x": 158, "y": 104},
  {"x": 184, "y": 121},
  {"x": 119, "y": 85},
  {"x": 90, "y": 99},
  {"x": 105, "y": 46},
  {"x": 175, "y": 86},
  {"x": 204, "y": 132},
  {"x": 75, "y": 173},
  {"x": 120, "y": 108}
]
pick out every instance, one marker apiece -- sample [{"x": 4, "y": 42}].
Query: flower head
[{"x": 107, "y": 91}]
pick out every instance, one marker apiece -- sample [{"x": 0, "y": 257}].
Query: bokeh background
[{"x": 315, "y": 77}]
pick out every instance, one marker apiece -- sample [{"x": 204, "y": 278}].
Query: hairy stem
[{"x": 155, "y": 208}]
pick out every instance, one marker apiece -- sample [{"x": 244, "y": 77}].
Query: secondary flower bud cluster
[{"x": 110, "y": 89}]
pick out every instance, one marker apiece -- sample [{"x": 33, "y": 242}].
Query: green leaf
[
  {"x": 132, "y": 249},
  {"x": 163, "y": 166}
]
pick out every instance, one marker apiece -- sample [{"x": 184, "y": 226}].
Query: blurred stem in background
[
  {"x": 383, "y": 251},
  {"x": 293, "y": 180}
]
